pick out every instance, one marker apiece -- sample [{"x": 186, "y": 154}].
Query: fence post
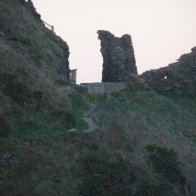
[{"x": 52, "y": 28}]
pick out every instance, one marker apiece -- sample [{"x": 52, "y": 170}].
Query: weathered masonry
[
  {"x": 104, "y": 87},
  {"x": 119, "y": 63},
  {"x": 72, "y": 76}
]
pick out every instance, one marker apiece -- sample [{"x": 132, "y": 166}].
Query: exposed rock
[
  {"x": 136, "y": 83},
  {"x": 179, "y": 77},
  {"x": 64, "y": 90},
  {"x": 63, "y": 67},
  {"x": 29, "y": 4},
  {"x": 118, "y": 57},
  {"x": 63, "y": 64},
  {"x": 41, "y": 46},
  {"x": 6, "y": 159},
  {"x": 72, "y": 130},
  {"x": 2, "y": 33}
]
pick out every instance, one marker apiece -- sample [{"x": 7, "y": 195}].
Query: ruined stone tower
[{"x": 118, "y": 57}]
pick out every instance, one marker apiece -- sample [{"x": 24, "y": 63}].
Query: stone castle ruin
[
  {"x": 178, "y": 78},
  {"x": 120, "y": 70},
  {"x": 119, "y": 63}
]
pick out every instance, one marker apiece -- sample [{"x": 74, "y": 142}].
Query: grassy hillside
[
  {"x": 146, "y": 118},
  {"x": 33, "y": 61},
  {"x": 27, "y": 35},
  {"x": 145, "y": 146}
]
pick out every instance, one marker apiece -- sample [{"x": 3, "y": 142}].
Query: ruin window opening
[{"x": 165, "y": 77}]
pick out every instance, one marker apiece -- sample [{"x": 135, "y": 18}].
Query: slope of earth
[
  {"x": 145, "y": 146},
  {"x": 137, "y": 120},
  {"x": 33, "y": 61}
]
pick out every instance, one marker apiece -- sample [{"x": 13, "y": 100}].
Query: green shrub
[
  {"x": 4, "y": 127},
  {"x": 79, "y": 102},
  {"x": 67, "y": 117},
  {"x": 148, "y": 188},
  {"x": 165, "y": 162},
  {"x": 18, "y": 91},
  {"x": 105, "y": 176}
]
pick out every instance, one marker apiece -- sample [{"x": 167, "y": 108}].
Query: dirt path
[{"x": 92, "y": 126}]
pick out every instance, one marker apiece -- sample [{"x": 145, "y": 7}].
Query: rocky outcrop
[
  {"x": 23, "y": 31},
  {"x": 179, "y": 77},
  {"x": 118, "y": 57},
  {"x": 29, "y": 5},
  {"x": 63, "y": 66}
]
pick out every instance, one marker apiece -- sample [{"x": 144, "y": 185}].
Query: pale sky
[{"x": 161, "y": 30}]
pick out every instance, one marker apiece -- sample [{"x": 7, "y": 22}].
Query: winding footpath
[{"x": 92, "y": 126}]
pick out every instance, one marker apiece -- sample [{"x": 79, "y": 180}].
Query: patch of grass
[
  {"x": 152, "y": 109},
  {"x": 80, "y": 105},
  {"x": 165, "y": 162},
  {"x": 4, "y": 127},
  {"x": 148, "y": 117}
]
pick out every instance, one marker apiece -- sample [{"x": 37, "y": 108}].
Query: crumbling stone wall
[
  {"x": 118, "y": 57},
  {"x": 179, "y": 77},
  {"x": 119, "y": 66}
]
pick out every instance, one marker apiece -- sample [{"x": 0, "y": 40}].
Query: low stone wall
[{"x": 104, "y": 88}]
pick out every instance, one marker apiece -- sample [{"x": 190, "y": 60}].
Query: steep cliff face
[
  {"x": 179, "y": 77},
  {"x": 23, "y": 31},
  {"x": 33, "y": 60},
  {"x": 118, "y": 57}
]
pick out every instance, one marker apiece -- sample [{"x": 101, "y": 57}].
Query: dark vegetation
[
  {"x": 157, "y": 133},
  {"x": 165, "y": 162},
  {"x": 145, "y": 145},
  {"x": 31, "y": 59},
  {"x": 132, "y": 153}
]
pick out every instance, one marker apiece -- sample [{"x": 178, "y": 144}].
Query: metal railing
[{"x": 51, "y": 27}]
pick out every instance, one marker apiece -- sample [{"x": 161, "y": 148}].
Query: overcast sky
[{"x": 161, "y": 30}]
